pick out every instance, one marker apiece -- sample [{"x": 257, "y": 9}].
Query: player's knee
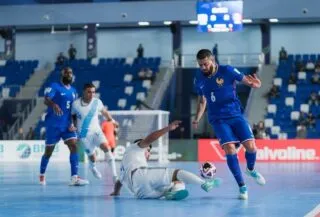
[
  {"x": 250, "y": 146},
  {"x": 72, "y": 147},
  {"x": 229, "y": 148}
]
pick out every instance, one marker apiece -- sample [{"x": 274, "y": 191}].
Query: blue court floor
[{"x": 293, "y": 189}]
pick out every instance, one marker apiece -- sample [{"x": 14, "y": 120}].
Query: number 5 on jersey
[
  {"x": 68, "y": 104},
  {"x": 213, "y": 97}
]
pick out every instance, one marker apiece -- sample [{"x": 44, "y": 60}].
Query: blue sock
[
  {"x": 251, "y": 159},
  {"x": 43, "y": 164},
  {"x": 74, "y": 162},
  {"x": 233, "y": 163}
]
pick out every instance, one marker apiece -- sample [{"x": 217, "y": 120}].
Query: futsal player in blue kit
[
  {"x": 59, "y": 98},
  {"x": 216, "y": 86}
]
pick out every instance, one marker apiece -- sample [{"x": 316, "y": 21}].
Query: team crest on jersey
[
  {"x": 73, "y": 95},
  {"x": 220, "y": 81}
]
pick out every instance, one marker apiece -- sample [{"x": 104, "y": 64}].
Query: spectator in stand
[
  {"x": 315, "y": 78},
  {"x": 259, "y": 131},
  {"x": 140, "y": 51},
  {"x": 300, "y": 66},
  {"x": 20, "y": 134},
  {"x": 301, "y": 132},
  {"x": 273, "y": 92},
  {"x": 61, "y": 59},
  {"x": 310, "y": 66},
  {"x": 313, "y": 99},
  {"x": 142, "y": 74},
  {"x": 311, "y": 121},
  {"x": 283, "y": 55},
  {"x": 292, "y": 78},
  {"x": 72, "y": 52},
  {"x": 149, "y": 75},
  {"x": 317, "y": 68},
  {"x": 303, "y": 118},
  {"x": 31, "y": 134}
]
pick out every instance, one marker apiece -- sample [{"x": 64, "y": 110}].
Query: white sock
[
  {"x": 92, "y": 164},
  {"x": 189, "y": 178},
  {"x": 112, "y": 162}
]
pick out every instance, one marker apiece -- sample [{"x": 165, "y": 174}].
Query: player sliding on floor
[
  {"x": 86, "y": 111},
  {"x": 216, "y": 87},
  {"x": 155, "y": 182}
]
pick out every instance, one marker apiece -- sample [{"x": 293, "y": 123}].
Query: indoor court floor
[{"x": 292, "y": 189}]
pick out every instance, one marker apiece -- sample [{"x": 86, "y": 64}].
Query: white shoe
[
  {"x": 42, "y": 179},
  {"x": 77, "y": 181},
  {"x": 257, "y": 176},
  {"x": 96, "y": 172},
  {"x": 243, "y": 193}
]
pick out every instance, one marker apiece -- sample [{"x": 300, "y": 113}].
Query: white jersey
[
  {"x": 133, "y": 158},
  {"x": 87, "y": 116}
]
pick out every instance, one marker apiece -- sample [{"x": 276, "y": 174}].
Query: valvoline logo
[
  {"x": 24, "y": 151},
  {"x": 268, "y": 150}
]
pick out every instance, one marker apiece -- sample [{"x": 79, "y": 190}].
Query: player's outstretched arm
[
  {"x": 252, "y": 81},
  {"x": 157, "y": 134},
  {"x": 107, "y": 115},
  {"x": 201, "y": 107},
  {"x": 117, "y": 189}
]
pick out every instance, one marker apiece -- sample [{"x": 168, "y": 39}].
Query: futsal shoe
[
  {"x": 77, "y": 181},
  {"x": 96, "y": 172},
  {"x": 176, "y": 195},
  {"x": 211, "y": 183},
  {"x": 257, "y": 176},
  {"x": 243, "y": 193},
  {"x": 42, "y": 179}
]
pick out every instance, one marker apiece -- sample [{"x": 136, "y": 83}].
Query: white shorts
[
  {"x": 93, "y": 140},
  {"x": 152, "y": 183}
]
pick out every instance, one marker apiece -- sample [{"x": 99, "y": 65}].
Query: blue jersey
[
  {"x": 64, "y": 97},
  {"x": 220, "y": 92}
]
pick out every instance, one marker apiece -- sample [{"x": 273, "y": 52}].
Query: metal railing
[
  {"x": 234, "y": 59},
  {"x": 22, "y": 117}
]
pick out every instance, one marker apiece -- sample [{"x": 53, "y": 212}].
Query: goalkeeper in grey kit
[{"x": 155, "y": 182}]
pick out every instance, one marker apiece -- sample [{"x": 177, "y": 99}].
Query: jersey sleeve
[
  {"x": 235, "y": 73},
  {"x": 197, "y": 87},
  {"x": 100, "y": 105},
  {"x": 50, "y": 91}
]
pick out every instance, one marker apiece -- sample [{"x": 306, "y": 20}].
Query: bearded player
[{"x": 216, "y": 86}]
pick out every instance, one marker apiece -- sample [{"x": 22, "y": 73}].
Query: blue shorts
[
  {"x": 54, "y": 134},
  {"x": 232, "y": 130}
]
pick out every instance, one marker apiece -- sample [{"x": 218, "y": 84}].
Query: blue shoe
[
  {"x": 176, "y": 195},
  {"x": 211, "y": 183},
  {"x": 257, "y": 176},
  {"x": 243, "y": 193}
]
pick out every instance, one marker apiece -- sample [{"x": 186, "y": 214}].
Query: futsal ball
[
  {"x": 208, "y": 170},
  {"x": 178, "y": 186}
]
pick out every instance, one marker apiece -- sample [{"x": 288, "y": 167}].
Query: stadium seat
[
  {"x": 292, "y": 88},
  {"x": 272, "y": 109},
  {"x": 295, "y": 115},
  {"x": 289, "y": 101},
  {"x": 128, "y": 90},
  {"x": 268, "y": 123},
  {"x": 304, "y": 108},
  {"x": 277, "y": 82}
]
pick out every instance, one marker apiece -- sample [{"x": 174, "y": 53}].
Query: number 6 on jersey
[{"x": 213, "y": 97}]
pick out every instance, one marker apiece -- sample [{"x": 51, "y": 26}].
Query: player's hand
[
  {"x": 174, "y": 125},
  {"x": 195, "y": 124},
  {"x": 115, "y": 123},
  {"x": 57, "y": 110},
  {"x": 72, "y": 128},
  {"x": 254, "y": 81}
]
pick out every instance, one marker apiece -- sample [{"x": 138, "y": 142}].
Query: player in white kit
[
  {"x": 155, "y": 182},
  {"x": 86, "y": 111}
]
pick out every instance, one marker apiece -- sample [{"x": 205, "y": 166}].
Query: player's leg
[
  {"x": 228, "y": 140},
  {"x": 243, "y": 131},
  {"x": 70, "y": 139},
  {"x": 52, "y": 137},
  {"x": 190, "y": 178},
  {"x": 110, "y": 159}
]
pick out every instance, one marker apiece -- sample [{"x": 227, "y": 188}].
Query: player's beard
[
  {"x": 66, "y": 80},
  {"x": 210, "y": 72}
]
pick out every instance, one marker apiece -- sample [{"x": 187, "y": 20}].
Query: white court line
[{"x": 313, "y": 212}]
